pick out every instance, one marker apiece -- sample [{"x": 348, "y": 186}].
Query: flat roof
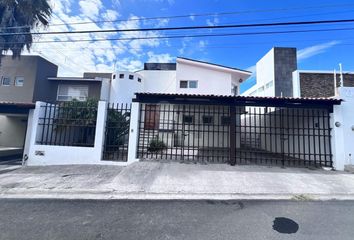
[
  {"x": 75, "y": 79},
  {"x": 235, "y": 100}
]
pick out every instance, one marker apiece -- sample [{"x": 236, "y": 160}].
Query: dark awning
[
  {"x": 16, "y": 108},
  {"x": 235, "y": 100}
]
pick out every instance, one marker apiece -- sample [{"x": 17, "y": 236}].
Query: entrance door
[{"x": 152, "y": 117}]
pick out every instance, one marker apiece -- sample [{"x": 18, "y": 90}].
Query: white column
[
  {"x": 337, "y": 138},
  {"x": 100, "y": 129},
  {"x": 32, "y": 131},
  {"x": 133, "y": 133}
]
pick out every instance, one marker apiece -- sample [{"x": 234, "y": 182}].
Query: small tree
[{"x": 117, "y": 127}]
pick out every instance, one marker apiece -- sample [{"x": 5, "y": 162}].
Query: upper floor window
[
  {"x": 6, "y": 81},
  {"x": 19, "y": 81},
  {"x": 121, "y": 75},
  {"x": 188, "y": 84},
  {"x": 71, "y": 92},
  {"x": 139, "y": 79},
  {"x": 131, "y": 77},
  {"x": 208, "y": 120}
]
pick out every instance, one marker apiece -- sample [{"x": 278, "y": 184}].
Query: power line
[
  {"x": 192, "y": 36},
  {"x": 189, "y": 27},
  {"x": 198, "y": 15}
]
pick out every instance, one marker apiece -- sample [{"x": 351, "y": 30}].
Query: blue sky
[{"x": 319, "y": 50}]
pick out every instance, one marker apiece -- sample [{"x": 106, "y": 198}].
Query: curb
[{"x": 175, "y": 196}]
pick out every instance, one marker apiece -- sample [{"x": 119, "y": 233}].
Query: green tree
[{"x": 17, "y": 17}]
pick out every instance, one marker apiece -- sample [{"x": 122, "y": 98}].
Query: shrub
[{"x": 156, "y": 145}]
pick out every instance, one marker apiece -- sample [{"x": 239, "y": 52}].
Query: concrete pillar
[
  {"x": 100, "y": 129},
  {"x": 134, "y": 133},
  {"x": 337, "y": 138}
]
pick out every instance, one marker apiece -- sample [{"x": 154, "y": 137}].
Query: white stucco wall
[
  {"x": 123, "y": 89},
  {"x": 265, "y": 74},
  {"x": 209, "y": 81},
  {"x": 159, "y": 81},
  {"x": 343, "y": 135},
  {"x": 12, "y": 130}
]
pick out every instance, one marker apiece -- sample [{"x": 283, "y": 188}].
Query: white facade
[
  {"x": 210, "y": 78},
  {"x": 265, "y": 74}
]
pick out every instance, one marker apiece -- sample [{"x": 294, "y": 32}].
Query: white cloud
[
  {"x": 192, "y": 17},
  {"x": 212, "y": 22},
  {"x": 90, "y": 8},
  {"x": 159, "y": 58},
  {"x": 308, "y": 52}
]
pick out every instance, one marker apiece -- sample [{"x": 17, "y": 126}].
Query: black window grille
[{"x": 68, "y": 124}]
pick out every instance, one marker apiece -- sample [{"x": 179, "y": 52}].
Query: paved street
[{"x": 78, "y": 219}]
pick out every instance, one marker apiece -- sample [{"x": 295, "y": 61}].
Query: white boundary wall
[
  {"x": 36, "y": 154},
  {"x": 343, "y": 129}
]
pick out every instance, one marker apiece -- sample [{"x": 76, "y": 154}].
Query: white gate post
[
  {"x": 337, "y": 138},
  {"x": 100, "y": 129},
  {"x": 133, "y": 133}
]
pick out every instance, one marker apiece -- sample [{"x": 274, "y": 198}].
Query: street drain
[{"x": 285, "y": 225}]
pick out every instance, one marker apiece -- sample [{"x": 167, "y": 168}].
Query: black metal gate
[
  {"x": 117, "y": 132},
  {"x": 282, "y": 136},
  {"x": 285, "y": 134}
]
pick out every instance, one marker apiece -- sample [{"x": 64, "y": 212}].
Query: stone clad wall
[{"x": 321, "y": 84}]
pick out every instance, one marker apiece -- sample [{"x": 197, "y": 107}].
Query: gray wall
[
  {"x": 35, "y": 71},
  {"x": 12, "y": 130},
  {"x": 285, "y": 63}
]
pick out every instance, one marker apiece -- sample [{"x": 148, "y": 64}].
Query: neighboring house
[
  {"x": 23, "y": 81},
  {"x": 277, "y": 76},
  {"x": 274, "y": 74}
]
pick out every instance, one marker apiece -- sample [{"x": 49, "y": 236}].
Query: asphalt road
[{"x": 58, "y": 219}]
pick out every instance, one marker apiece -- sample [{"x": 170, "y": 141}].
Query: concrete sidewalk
[{"x": 150, "y": 180}]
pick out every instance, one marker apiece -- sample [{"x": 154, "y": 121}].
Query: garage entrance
[
  {"x": 13, "y": 126},
  {"x": 235, "y": 130}
]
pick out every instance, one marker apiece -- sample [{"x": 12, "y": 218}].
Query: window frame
[
  {"x": 131, "y": 77},
  {"x": 121, "y": 76},
  {"x": 69, "y": 97},
  {"x": 209, "y": 117},
  {"x": 188, "y": 84},
  {"x": 23, "y": 81},
  {"x": 184, "y": 117},
  {"x": 2, "y": 81},
  {"x": 193, "y": 81},
  {"x": 180, "y": 84}
]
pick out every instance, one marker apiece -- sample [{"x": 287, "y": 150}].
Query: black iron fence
[
  {"x": 195, "y": 133},
  {"x": 68, "y": 124},
  {"x": 117, "y": 132},
  {"x": 287, "y": 136},
  {"x": 282, "y": 136}
]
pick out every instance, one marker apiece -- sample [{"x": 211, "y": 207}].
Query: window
[
  {"x": 183, "y": 84},
  {"x": 188, "y": 119},
  {"x": 5, "y": 81},
  {"x": 19, "y": 81},
  {"x": 208, "y": 120},
  {"x": 188, "y": 84},
  {"x": 131, "y": 77},
  {"x": 121, "y": 76},
  {"x": 225, "y": 120},
  {"x": 71, "y": 92},
  {"x": 139, "y": 79},
  {"x": 269, "y": 85},
  {"x": 234, "y": 90},
  {"x": 193, "y": 84}
]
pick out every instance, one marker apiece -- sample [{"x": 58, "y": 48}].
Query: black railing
[
  {"x": 235, "y": 134},
  {"x": 68, "y": 124},
  {"x": 117, "y": 132}
]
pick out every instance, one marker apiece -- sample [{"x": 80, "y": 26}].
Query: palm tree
[{"x": 21, "y": 16}]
